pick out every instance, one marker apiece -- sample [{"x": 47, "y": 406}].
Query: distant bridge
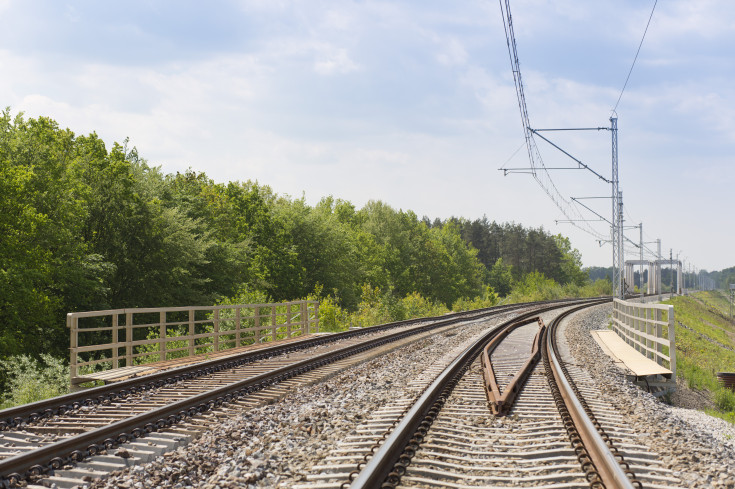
[{"x": 654, "y": 274}]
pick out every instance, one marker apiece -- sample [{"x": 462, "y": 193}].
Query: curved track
[
  {"x": 41, "y": 438},
  {"x": 558, "y": 433}
]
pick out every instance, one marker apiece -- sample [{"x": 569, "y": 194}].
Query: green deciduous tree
[
  {"x": 571, "y": 262},
  {"x": 86, "y": 228},
  {"x": 500, "y": 278}
]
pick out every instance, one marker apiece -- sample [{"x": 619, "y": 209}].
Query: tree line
[
  {"x": 722, "y": 278},
  {"x": 85, "y": 227}
]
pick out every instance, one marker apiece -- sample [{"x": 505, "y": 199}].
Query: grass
[
  {"x": 718, "y": 300},
  {"x": 699, "y": 360}
]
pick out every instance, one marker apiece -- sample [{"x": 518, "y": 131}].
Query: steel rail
[
  {"x": 47, "y": 408},
  {"x": 54, "y": 455},
  {"x": 611, "y": 475},
  {"x": 501, "y": 403},
  {"x": 389, "y": 461}
]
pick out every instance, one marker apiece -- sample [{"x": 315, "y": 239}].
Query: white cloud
[
  {"x": 266, "y": 5},
  {"x": 71, "y": 14},
  {"x": 451, "y": 52},
  {"x": 707, "y": 19},
  {"x": 331, "y": 61},
  {"x": 338, "y": 19},
  {"x": 494, "y": 94},
  {"x": 437, "y": 112}
]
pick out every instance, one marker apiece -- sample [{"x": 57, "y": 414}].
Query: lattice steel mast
[
  {"x": 539, "y": 170},
  {"x": 617, "y": 214}
]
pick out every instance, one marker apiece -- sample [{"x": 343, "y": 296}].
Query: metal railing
[
  {"x": 104, "y": 340},
  {"x": 649, "y": 328}
]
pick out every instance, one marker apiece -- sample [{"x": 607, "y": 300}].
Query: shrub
[
  {"x": 414, "y": 305},
  {"x": 376, "y": 307},
  {"x": 488, "y": 299},
  {"x": 29, "y": 380},
  {"x": 331, "y": 315},
  {"x": 725, "y": 400}
]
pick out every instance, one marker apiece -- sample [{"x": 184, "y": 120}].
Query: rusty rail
[
  {"x": 596, "y": 452},
  {"x": 393, "y": 455},
  {"x": 19, "y": 468},
  {"x": 501, "y": 403}
]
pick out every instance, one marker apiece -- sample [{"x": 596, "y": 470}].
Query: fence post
[
  {"x": 238, "y": 326},
  {"x": 256, "y": 324},
  {"x": 640, "y": 327},
  {"x": 274, "y": 322},
  {"x": 672, "y": 344},
  {"x": 316, "y": 317},
  {"x": 128, "y": 339},
  {"x": 640, "y": 330},
  {"x": 288, "y": 320},
  {"x": 115, "y": 339},
  {"x": 162, "y": 335},
  {"x": 72, "y": 323},
  {"x": 192, "y": 331},
  {"x": 216, "y": 330},
  {"x": 659, "y": 333},
  {"x": 304, "y": 318}
]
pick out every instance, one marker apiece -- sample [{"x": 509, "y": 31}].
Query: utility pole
[
  {"x": 617, "y": 227},
  {"x": 640, "y": 279},
  {"x": 658, "y": 272},
  {"x": 671, "y": 259},
  {"x": 621, "y": 249},
  {"x": 683, "y": 285}
]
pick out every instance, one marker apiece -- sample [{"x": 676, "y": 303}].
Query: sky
[{"x": 408, "y": 102}]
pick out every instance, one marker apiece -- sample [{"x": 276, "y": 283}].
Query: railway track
[
  {"x": 557, "y": 432},
  {"x": 155, "y": 413}
]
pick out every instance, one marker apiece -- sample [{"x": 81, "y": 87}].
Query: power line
[
  {"x": 636, "y": 56},
  {"x": 538, "y": 169},
  {"x": 514, "y": 153}
]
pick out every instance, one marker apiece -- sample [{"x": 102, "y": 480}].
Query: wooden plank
[
  {"x": 94, "y": 330},
  {"x": 109, "y": 312},
  {"x": 626, "y": 354}
]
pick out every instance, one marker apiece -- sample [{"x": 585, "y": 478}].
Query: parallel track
[
  {"x": 72, "y": 428},
  {"x": 20, "y": 415}
]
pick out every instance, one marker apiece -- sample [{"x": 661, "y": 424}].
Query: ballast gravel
[
  {"x": 699, "y": 448},
  {"x": 276, "y": 445}
]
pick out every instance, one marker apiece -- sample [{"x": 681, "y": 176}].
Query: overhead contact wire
[{"x": 636, "y": 56}]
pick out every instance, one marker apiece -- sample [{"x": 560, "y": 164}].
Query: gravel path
[{"x": 699, "y": 449}]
